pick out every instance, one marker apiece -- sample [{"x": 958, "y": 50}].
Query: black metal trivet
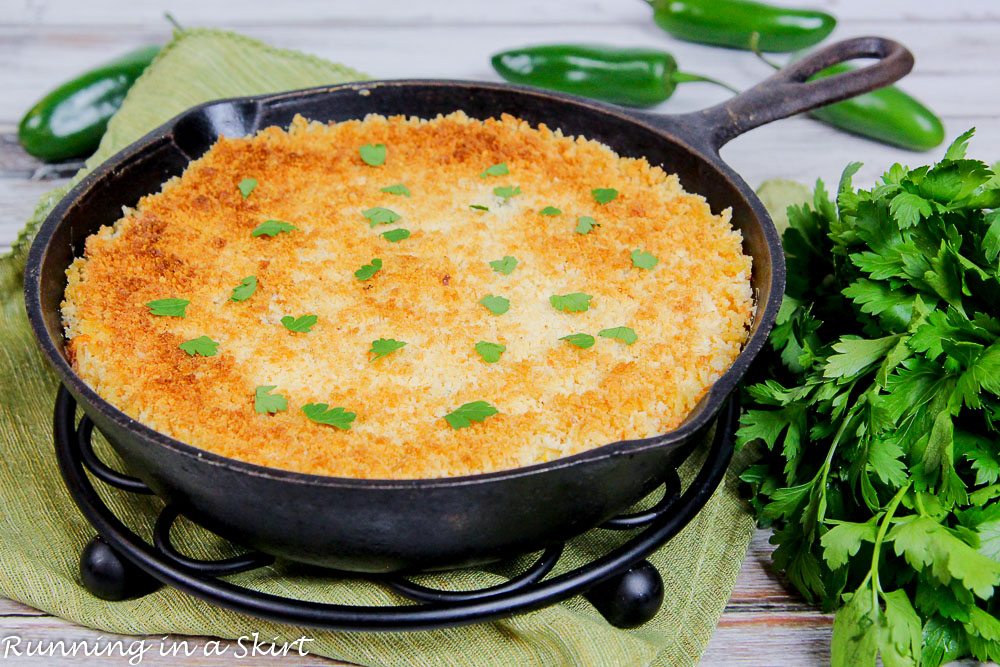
[{"x": 625, "y": 588}]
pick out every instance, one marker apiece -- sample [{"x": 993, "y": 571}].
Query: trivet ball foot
[
  {"x": 629, "y": 599},
  {"x": 108, "y": 576}
]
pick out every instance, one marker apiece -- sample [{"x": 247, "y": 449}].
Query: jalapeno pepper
[
  {"x": 732, "y": 23},
  {"x": 633, "y": 77},
  {"x": 70, "y": 120},
  {"x": 888, "y": 115}
]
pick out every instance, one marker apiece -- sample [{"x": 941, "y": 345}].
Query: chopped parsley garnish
[
  {"x": 585, "y": 224},
  {"x": 499, "y": 169},
  {"x": 507, "y": 191},
  {"x": 168, "y": 307},
  {"x": 397, "y": 189},
  {"x": 580, "y": 340},
  {"x": 384, "y": 346},
  {"x": 574, "y": 302},
  {"x": 380, "y": 216},
  {"x": 373, "y": 154},
  {"x": 495, "y": 304},
  {"x": 624, "y": 334},
  {"x": 264, "y": 402},
  {"x": 245, "y": 289},
  {"x": 479, "y": 207},
  {"x": 202, "y": 346},
  {"x": 464, "y": 415},
  {"x": 396, "y": 235},
  {"x": 272, "y": 228},
  {"x": 643, "y": 260},
  {"x": 301, "y": 324},
  {"x": 321, "y": 413},
  {"x": 368, "y": 270},
  {"x": 604, "y": 195},
  {"x": 247, "y": 186},
  {"x": 490, "y": 352},
  {"x": 550, "y": 210},
  {"x": 505, "y": 265}
]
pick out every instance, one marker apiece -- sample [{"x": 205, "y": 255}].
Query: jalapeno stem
[
  {"x": 172, "y": 21},
  {"x": 755, "y": 47},
  {"x": 685, "y": 77}
]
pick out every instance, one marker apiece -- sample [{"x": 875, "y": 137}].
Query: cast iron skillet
[{"x": 389, "y": 525}]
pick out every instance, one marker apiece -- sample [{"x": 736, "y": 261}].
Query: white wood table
[{"x": 43, "y": 42}]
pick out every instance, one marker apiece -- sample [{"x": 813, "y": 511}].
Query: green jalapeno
[
  {"x": 70, "y": 121},
  {"x": 732, "y": 23},
  {"x": 888, "y": 115},
  {"x": 632, "y": 77}
]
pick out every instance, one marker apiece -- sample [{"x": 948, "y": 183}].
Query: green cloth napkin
[{"x": 42, "y": 532}]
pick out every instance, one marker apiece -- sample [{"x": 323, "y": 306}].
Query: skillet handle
[{"x": 789, "y": 92}]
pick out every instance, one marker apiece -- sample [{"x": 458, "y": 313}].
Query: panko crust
[{"x": 193, "y": 241}]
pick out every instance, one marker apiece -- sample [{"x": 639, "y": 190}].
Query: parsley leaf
[
  {"x": 384, "y": 346},
  {"x": 272, "y": 228},
  {"x": 264, "y": 402},
  {"x": 202, "y": 346},
  {"x": 507, "y": 191},
  {"x": 624, "y": 334},
  {"x": 499, "y": 169},
  {"x": 604, "y": 195},
  {"x": 168, "y": 307},
  {"x": 368, "y": 270},
  {"x": 380, "y": 215},
  {"x": 373, "y": 154},
  {"x": 301, "y": 324},
  {"x": 247, "y": 186},
  {"x": 245, "y": 289},
  {"x": 490, "y": 352},
  {"x": 643, "y": 260},
  {"x": 397, "y": 189},
  {"x": 464, "y": 415},
  {"x": 504, "y": 266},
  {"x": 396, "y": 235},
  {"x": 844, "y": 540},
  {"x": 321, "y": 413},
  {"x": 585, "y": 224},
  {"x": 550, "y": 211},
  {"x": 497, "y": 305},
  {"x": 479, "y": 207},
  {"x": 574, "y": 302},
  {"x": 580, "y": 340},
  {"x": 926, "y": 543},
  {"x": 908, "y": 208}
]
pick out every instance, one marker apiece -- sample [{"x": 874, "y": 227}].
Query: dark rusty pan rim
[{"x": 700, "y": 133}]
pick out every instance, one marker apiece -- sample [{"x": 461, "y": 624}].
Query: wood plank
[
  {"x": 769, "y": 638},
  {"x": 18, "y": 198},
  {"x": 12, "y": 608},
  {"x": 312, "y": 12},
  {"x": 15, "y": 163},
  {"x": 758, "y": 587},
  {"x": 952, "y": 74}
]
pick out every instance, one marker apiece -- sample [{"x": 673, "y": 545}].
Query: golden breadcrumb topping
[{"x": 193, "y": 241}]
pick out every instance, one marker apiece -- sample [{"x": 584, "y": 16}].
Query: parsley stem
[
  {"x": 890, "y": 510},
  {"x": 824, "y": 472}
]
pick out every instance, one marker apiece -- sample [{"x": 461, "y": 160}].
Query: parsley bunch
[{"x": 879, "y": 418}]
